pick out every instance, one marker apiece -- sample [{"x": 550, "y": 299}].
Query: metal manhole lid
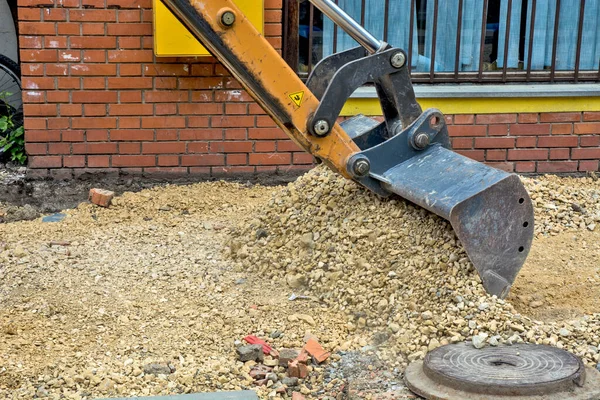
[{"x": 522, "y": 371}]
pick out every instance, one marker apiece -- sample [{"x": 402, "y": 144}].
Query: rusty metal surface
[{"x": 519, "y": 372}]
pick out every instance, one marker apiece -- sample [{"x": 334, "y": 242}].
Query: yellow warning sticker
[{"x": 297, "y": 98}]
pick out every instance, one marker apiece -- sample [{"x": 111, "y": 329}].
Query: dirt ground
[
  {"x": 561, "y": 278},
  {"x": 87, "y": 303}
]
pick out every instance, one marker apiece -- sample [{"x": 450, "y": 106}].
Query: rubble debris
[
  {"x": 101, "y": 197},
  {"x": 251, "y": 352},
  {"x": 57, "y": 217}
]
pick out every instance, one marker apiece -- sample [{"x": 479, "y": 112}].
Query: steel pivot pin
[{"x": 228, "y": 18}]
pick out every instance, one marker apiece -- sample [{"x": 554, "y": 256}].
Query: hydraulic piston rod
[{"x": 349, "y": 25}]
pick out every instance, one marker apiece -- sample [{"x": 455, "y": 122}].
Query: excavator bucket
[{"x": 408, "y": 154}]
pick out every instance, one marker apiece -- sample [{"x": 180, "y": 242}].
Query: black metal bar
[
  {"x": 411, "y": 35},
  {"x": 291, "y": 37},
  {"x": 363, "y": 10},
  {"x": 579, "y": 40},
  {"x": 555, "y": 41},
  {"x": 310, "y": 36},
  {"x": 506, "y": 40},
  {"x": 386, "y": 22},
  {"x": 335, "y": 34},
  {"x": 458, "y": 38},
  {"x": 531, "y": 35},
  {"x": 434, "y": 40},
  {"x": 483, "y": 36}
]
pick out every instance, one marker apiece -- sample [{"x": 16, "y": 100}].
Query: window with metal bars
[{"x": 452, "y": 41}]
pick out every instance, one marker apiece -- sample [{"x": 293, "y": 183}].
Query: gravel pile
[
  {"x": 399, "y": 271},
  {"x": 565, "y": 203}
]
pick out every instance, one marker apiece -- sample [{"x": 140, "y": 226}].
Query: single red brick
[
  {"x": 560, "y": 117},
  {"x": 590, "y": 141},
  {"x": 562, "y": 129},
  {"x": 467, "y": 130},
  {"x": 45, "y": 162},
  {"x": 237, "y": 159},
  {"x": 527, "y": 154},
  {"x": 559, "y": 154},
  {"x": 495, "y": 155},
  {"x": 466, "y": 119},
  {"x": 74, "y": 161},
  {"x": 557, "y": 166},
  {"x": 101, "y": 197},
  {"x": 525, "y": 166},
  {"x": 302, "y": 158},
  {"x": 270, "y": 159},
  {"x": 585, "y": 154},
  {"x": 98, "y": 161},
  {"x": 494, "y": 143},
  {"x": 591, "y": 116},
  {"x": 528, "y": 118},
  {"x": 587, "y": 128},
  {"x": 462, "y": 143},
  {"x": 527, "y": 141},
  {"x": 585, "y": 166},
  {"x": 531, "y": 129}
]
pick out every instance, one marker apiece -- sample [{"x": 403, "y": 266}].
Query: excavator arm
[{"x": 409, "y": 154}]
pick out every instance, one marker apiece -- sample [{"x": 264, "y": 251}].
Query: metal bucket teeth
[{"x": 489, "y": 209}]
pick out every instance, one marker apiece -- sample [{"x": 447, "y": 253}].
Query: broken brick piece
[
  {"x": 251, "y": 339},
  {"x": 297, "y": 396},
  {"x": 302, "y": 357},
  {"x": 297, "y": 370},
  {"x": 313, "y": 348},
  {"x": 101, "y": 197}
]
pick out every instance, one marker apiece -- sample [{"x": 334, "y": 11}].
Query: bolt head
[
  {"x": 321, "y": 128},
  {"x": 422, "y": 140},
  {"x": 228, "y": 18},
  {"x": 361, "y": 168},
  {"x": 398, "y": 60}
]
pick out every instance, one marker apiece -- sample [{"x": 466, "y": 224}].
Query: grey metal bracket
[
  {"x": 345, "y": 81},
  {"x": 320, "y": 77}
]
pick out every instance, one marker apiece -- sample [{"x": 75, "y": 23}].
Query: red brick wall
[
  {"x": 96, "y": 99},
  {"x": 545, "y": 143}
]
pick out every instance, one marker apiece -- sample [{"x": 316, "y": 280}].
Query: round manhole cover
[{"x": 524, "y": 371}]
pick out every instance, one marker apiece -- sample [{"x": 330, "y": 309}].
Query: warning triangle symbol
[{"x": 297, "y": 98}]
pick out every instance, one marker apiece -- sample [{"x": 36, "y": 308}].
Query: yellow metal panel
[
  {"x": 485, "y": 105},
  {"x": 172, "y": 39}
]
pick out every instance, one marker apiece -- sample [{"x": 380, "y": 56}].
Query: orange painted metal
[{"x": 274, "y": 85}]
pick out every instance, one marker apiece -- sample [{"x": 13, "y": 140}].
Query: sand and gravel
[{"x": 174, "y": 276}]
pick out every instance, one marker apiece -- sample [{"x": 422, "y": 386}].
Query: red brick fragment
[
  {"x": 251, "y": 339},
  {"x": 101, "y": 197},
  {"x": 302, "y": 357},
  {"x": 297, "y": 396},
  {"x": 297, "y": 370},
  {"x": 313, "y": 348}
]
